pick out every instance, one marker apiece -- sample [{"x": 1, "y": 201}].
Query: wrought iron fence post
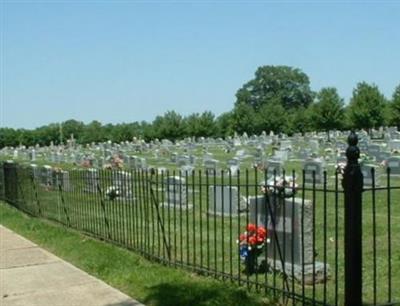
[{"x": 353, "y": 187}]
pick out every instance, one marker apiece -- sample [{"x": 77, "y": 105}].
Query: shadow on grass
[{"x": 194, "y": 294}]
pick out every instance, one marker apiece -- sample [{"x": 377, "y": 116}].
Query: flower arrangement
[
  {"x": 113, "y": 192},
  {"x": 251, "y": 244},
  {"x": 281, "y": 185}
]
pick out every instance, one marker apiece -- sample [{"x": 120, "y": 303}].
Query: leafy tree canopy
[
  {"x": 395, "y": 107},
  {"x": 290, "y": 87},
  {"x": 328, "y": 111},
  {"x": 367, "y": 106}
]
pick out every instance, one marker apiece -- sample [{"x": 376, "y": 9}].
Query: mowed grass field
[{"x": 206, "y": 243}]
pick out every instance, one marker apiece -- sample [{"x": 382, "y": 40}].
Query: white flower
[{"x": 113, "y": 192}]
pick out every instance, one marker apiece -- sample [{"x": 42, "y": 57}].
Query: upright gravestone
[
  {"x": 394, "y": 164},
  {"x": 282, "y": 155},
  {"x": 373, "y": 150},
  {"x": 33, "y": 155},
  {"x": 175, "y": 193},
  {"x": 91, "y": 178},
  {"x": 314, "y": 168},
  {"x": 289, "y": 224},
  {"x": 47, "y": 175},
  {"x": 369, "y": 175},
  {"x": 211, "y": 167},
  {"x": 224, "y": 201},
  {"x": 60, "y": 179},
  {"x": 382, "y": 156},
  {"x": 394, "y": 145},
  {"x": 234, "y": 166},
  {"x": 35, "y": 172},
  {"x": 122, "y": 180},
  {"x": 274, "y": 168}
]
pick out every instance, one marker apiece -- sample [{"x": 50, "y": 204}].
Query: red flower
[
  {"x": 261, "y": 231},
  {"x": 242, "y": 237},
  {"x": 252, "y": 240},
  {"x": 251, "y": 227},
  {"x": 260, "y": 239}
]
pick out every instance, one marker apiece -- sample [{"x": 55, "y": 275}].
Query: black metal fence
[{"x": 197, "y": 220}]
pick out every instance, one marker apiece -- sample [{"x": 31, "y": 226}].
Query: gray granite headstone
[
  {"x": 175, "y": 192},
  {"x": 224, "y": 201},
  {"x": 394, "y": 164},
  {"x": 382, "y": 156},
  {"x": 314, "y": 166},
  {"x": 211, "y": 166},
  {"x": 373, "y": 150},
  {"x": 366, "y": 170},
  {"x": 394, "y": 144},
  {"x": 282, "y": 155},
  {"x": 91, "y": 177},
  {"x": 290, "y": 230},
  {"x": 123, "y": 182},
  {"x": 234, "y": 166},
  {"x": 47, "y": 175},
  {"x": 274, "y": 167}
]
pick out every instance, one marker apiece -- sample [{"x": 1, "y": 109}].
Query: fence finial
[{"x": 352, "y": 152}]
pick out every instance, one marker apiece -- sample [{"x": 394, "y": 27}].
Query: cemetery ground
[
  {"x": 206, "y": 243},
  {"x": 149, "y": 282}
]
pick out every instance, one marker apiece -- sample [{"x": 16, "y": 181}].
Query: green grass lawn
[{"x": 148, "y": 282}]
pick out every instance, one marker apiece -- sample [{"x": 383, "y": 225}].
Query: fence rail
[{"x": 195, "y": 220}]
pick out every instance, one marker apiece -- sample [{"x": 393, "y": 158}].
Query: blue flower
[{"x": 243, "y": 251}]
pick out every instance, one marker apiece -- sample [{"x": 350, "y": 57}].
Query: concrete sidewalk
[{"x": 32, "y": 276}]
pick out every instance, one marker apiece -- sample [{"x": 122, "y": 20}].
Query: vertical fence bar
[
  {"x": 231, "y": 227},
  {"x": 303, "y": 194},
  {"x": 336, "y": 237},
  {"x": 325, "y": 232},
  {"x": 353, "y": 187},
  {"x": 292, "y": 227},
  {"x": 238, "y": 228},
  {"x": 187, "y": 215},
  {"x": 181, "y": 191},
  {"x": 201, "y": 218},
  {"x": 389, "y": 238},
  {"x": 374, "y": 233},
  {"x": 194, "y": 219},
  {"x": 222, "y": 225}
]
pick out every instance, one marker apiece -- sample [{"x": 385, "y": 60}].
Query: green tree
[
  {"x": 8, "y": 137},
  {"x": 72, "y": 127},
  {"x": 225, "y": 124},
  {"x": 367, "y": 107},
  {"x": 285, "y": 85},
  {"x": 200, "y": 125},
  {"x": 93, "y": 132},
  {"x": 299, "y": 120},
  {"x": 395, "y": 108},
  {"x": 271, "y": 117},
  {"x": 328, "y": 111},
  {"x": 170, "y": 126},
  {"x": 244, "y": 118}
]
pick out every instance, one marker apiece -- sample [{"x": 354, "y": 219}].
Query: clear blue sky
[{"x": 124, "y": 61}]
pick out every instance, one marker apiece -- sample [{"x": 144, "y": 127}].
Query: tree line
[{"x": 278, "y": 98}]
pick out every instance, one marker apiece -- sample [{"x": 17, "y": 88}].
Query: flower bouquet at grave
[
  {"x": 113, "y": 192},
  {"x": 281, "y": 186},
  {"x": 252, "y": 243},
  {"x": 117, "y": 162}
]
